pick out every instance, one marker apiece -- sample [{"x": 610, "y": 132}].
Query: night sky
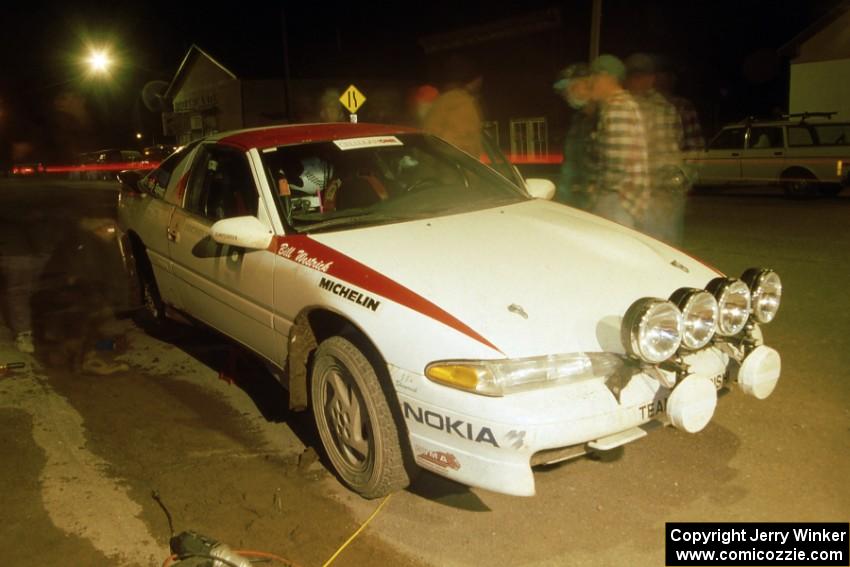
[{"x": 725, "y": 51}]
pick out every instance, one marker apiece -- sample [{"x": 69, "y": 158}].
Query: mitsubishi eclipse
[{"x": 433, "y": 313}]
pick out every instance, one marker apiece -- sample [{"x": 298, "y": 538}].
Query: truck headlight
[
  {"x": 733, "y": 300},
  {"x": 652, "y": 330},
  {"x": 699, "y": 316},
  {"x": 766, "y": 289},
  {"x": 506, "y": 376}
]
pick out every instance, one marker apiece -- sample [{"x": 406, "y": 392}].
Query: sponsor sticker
[
  {"x": 350, "y": 294},
  {"x": 449, "y": 425},
  {"x": 516, "y": 438},
  {"x": 441, "y": 459},
  {"x": 368, "y": 142}
]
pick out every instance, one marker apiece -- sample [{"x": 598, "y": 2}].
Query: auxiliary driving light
[
  {"x": 700, "y": 314},
  {"x": 733, "y": 300},
  {"x": 766, "y": 289},
  {"x": 652, "y": 330}
]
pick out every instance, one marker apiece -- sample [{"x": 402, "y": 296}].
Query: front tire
[{"x": 355, "y": 423}]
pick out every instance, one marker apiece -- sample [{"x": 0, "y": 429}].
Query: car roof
[
  {"x": 787, "y": 122},
  {"x": 273, "y": 136}
]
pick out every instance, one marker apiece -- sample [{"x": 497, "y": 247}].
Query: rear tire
[
  {"x": 152, "y": 313},
  {"x": 799, "y": 185},
  {"x": 355, "y": 422}
]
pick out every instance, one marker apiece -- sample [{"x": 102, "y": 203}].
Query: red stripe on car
[{"x": 304, "y": 250}]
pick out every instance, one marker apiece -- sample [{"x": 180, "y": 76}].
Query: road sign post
[{"x": 352, "y": 99}]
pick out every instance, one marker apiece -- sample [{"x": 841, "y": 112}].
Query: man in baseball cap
[
  {"x": 610, "y": 65},
  {"x": 573, "y": 85},
  {"x": 621, "y": 175}
]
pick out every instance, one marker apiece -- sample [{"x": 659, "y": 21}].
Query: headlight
[
  {"x": 652, "y": 330},
  {"x": 699, "y": 316},
  {"x": 500, "y": 377},
  {"x": 766, "y": 289},
  {"x": 733, "y": 299}
]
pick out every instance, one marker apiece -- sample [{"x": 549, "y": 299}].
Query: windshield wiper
[{"x": 368, "y": 218}]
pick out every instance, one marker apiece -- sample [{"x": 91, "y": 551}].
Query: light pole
[{"x": 595, "y": 29}]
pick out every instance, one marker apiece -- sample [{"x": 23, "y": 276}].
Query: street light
[{"x": 99, "y": 61}]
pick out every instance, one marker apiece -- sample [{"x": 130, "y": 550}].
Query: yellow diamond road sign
[{"x": 352, "y": 99}]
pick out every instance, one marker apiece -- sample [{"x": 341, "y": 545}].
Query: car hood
[{"x": 532, "y": 278}]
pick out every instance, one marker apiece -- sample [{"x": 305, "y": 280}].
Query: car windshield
[{"x": 365, "y": 181}]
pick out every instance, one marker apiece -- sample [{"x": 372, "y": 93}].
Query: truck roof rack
[{"x": 804, "y": 115}]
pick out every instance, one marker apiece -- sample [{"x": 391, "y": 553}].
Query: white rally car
[{"x": 430, "y": 311}]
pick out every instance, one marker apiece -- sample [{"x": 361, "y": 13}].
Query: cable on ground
[{"x": 360, "y": 529}]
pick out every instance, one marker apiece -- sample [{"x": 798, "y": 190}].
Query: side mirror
[
  {"x": 540, "y": 188},
  {"x": 245, "y": 232},
  {"x": 130, "y": 178}
]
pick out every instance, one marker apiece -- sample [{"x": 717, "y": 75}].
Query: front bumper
[{"x": 493, "y": 443}]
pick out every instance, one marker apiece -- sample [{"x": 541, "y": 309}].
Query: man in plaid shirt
[
  {"x": 620, "y": 188},
  {"x": 664, "y": 133}
]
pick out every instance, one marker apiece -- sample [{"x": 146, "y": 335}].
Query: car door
[
  {"x": 721, "y": 163},
  {"x": 153, "y": 210},
  {"x": 227, "y": 287},
  {"x": 764, "y": 157}
]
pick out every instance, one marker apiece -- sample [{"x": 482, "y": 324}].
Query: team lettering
[
  {"x": 462, "y": 429},
  {"x": 653, "y": 408},
  {"x": 303, "y": 258},
  {"x": 718, "y": 381},
  {"x": 339, "y": 289}
]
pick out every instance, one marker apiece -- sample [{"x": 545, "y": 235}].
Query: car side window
[
  {"x": 834, "y": 134},
  {"x": 765, "y": 137},
  {"x": 220, "y": 185},
  {"x": 800, "y": 136},
  {"x": 729, "y": 139},
  {"x": 156, "y": 182}
]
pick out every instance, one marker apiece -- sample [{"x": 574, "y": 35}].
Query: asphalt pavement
[{"x": 83, "y": 451}]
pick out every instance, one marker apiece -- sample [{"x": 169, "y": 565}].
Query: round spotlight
[
  {"x": 733, "y": 300},
  {"x": 766, "y": 289},
  {"x": 652, "y": 330},
  {"x": 700, "y": 314}
]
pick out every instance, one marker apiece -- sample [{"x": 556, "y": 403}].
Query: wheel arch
[
  {"x": 798, "y": 181},
  {"x": 797, "y": 172},
  {"x": 312, "y": 326}
]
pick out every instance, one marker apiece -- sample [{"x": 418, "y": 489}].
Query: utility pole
[
  {"x": 595, "y": 24},
  {"x": 287, "y": 91}
]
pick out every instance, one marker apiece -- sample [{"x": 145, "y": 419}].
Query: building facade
[{"x": 820, "y": 66}]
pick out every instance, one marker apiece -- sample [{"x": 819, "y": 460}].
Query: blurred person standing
[
  {"x": 619, "y": 186},
  {"x": 419, "y": 103},
  {"x": 22, "y": 259},
  {"x": 665, "y": 83},
  {"x": 455, "y": 115},
  {"x": 575, "y": 88},
  {"x": 664, "y": 218},
  {"x": 330, "y": 109}
]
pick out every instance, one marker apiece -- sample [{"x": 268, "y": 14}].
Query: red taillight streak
[{"x": 101, "y": 167}]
